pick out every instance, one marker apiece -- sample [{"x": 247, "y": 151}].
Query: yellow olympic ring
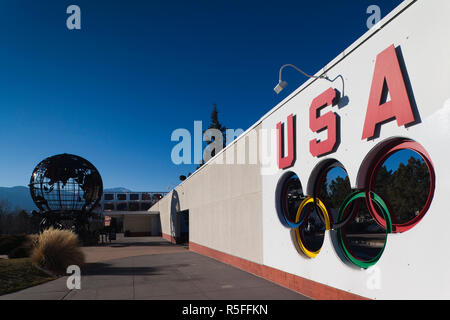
[{"x": 323, "y": 209}]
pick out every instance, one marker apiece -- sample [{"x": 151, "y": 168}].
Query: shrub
[
  {"x": 32, "y": 240},
  {"x": 25, "y": 248},
  {"x": 10, "y": 242},
  {"x": 19, "y": 252},
  {"x": 56, "y": 250}
]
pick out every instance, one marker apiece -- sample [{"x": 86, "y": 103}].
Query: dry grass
[
  {"x": 18, "y": 274},
  {"x": 56, "y": 250}
]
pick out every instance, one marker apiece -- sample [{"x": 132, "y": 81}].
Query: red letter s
[{"x": 326, "y": 121}]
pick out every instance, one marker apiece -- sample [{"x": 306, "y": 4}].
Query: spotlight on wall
[
  {"x": 283, "y": 84},
  {"x": 280, "y": 86}
]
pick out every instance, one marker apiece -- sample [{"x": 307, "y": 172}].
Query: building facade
[
  {"x": 131, "y": 214},
  {"x": 340, "y": 190}
]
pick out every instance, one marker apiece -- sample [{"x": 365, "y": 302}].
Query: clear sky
[{"x": 114, "y": 91}]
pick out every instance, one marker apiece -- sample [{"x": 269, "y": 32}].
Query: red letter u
[{"x": 288, "y": 160}]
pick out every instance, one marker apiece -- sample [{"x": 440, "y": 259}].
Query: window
[
  {"x": 311, "y": 234},
  {"x": 332, "y": 187},
  {"x": 122, "y": 206},
  {"x": 403, "y": 180},
  {"x": 362, "y": 238},
  {"x": 134, "y": 196},
  {"x": 291, "y": 196},
  {"x": 403, "y": 176},
  {"x": 133, "y": 206},
  {"x": 108, "y": 206},
  {"x": 146, "y": 196},
  {"x": 109, "y": 196}
]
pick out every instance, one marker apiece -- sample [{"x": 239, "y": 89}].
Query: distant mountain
[
  {"x": 20, "y": 197},
  {"x": 117, "y": 189},
  {"x": 17, "y": 197}
]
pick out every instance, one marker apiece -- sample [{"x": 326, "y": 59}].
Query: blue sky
[{"x": 114, "y": 91}]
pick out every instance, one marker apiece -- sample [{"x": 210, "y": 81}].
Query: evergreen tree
[
  {"x": 406, "y": 189},
  {"x": 339, "y": 189},
  {"x": 215, "y": 124}
]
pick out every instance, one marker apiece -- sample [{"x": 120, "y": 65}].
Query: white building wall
[
  {"x": 415, "y": 264},
  {"x": 238, "y": 215},
  {"x": 225, "y": 212}
]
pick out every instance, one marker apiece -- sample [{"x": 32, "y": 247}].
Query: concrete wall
[
  {"x": 141, "y": 224},
  {"x": 225, "y": 213}
]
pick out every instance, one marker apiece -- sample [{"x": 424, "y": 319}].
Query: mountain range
[{"x": 20, "y": 198}]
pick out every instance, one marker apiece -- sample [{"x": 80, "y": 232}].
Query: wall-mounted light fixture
[{"x": 283, "y": 84}]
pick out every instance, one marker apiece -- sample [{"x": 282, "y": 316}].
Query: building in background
[{"x": 131, "y": 214}]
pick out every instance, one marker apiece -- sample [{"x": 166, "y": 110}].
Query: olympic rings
[
  {"x": 309, "y": 253},
  {"x": 382, "y": 206},
  {"x": 361, "y": 235},
  {"x": 386, "y": 152},
  {"x": 290, "y": 181}
]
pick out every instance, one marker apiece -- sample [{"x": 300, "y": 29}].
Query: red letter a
[
  {"x": 288, "y": 160},
  {"x": 387, "y": 70}
]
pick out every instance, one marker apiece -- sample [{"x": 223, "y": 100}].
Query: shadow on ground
[
  {"x": 109, "y": 269},
  {"x": 144, "y": 244}
]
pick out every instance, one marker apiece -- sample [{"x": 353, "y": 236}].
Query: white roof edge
[{"x": 371, "y": 32}]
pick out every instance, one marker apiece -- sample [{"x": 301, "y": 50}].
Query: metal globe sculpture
[{"x": 65, "y": 186}]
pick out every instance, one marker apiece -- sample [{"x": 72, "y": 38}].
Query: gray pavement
[{"x": 168, "y": 276}]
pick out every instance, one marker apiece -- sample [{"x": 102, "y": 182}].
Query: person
[{"x": 112, "y": 229}]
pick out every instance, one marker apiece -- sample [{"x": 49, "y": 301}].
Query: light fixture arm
[{"x": 301, "y": 71}]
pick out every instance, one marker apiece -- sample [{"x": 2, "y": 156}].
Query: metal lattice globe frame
[{"x": 65, "y": 187}]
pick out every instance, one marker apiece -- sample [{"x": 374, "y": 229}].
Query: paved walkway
[
  {"x": 157, "y": 269},
  {"x": 130, "y": 247}
]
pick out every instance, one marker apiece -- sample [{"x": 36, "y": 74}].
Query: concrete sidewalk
[
  {"x": 176, "y": 275},
  {"x": 125, "y": 247}
]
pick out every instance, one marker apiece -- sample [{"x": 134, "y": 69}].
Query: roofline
[
  {"x": 130, "y": 213},
  {"x": 355, "y": 45}
]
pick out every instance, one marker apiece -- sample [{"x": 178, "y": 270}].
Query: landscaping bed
[{"x": 18, "y": 274}]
